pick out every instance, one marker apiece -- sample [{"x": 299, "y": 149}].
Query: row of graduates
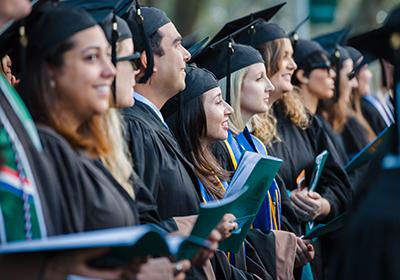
[{"x": 184, "y": 139}]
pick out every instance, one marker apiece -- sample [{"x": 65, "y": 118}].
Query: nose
[
  {"x": 186, "y": 54},
  {"x": 268, "y": 85},
  {"x": 109, "y": 70},
  {"x": 292, "y": 64},
  {"x": 228, "y": 109}
]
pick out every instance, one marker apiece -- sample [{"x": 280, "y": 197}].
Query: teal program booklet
[
  {"x": 125, "y": 244},
  {"x": 244, "y": 196}
]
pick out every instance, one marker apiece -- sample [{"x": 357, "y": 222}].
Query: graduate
[
  {"x": 337, "y": 111},
  {"x": 181, "y": 112},
  {"x": 151, "y": 144},
  {"x": 314, "y": 81},
  {"x": 374, "y": 253},
  {"x": 299, "y": 138}
]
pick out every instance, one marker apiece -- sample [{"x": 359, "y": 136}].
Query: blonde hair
[
  {"x": 236, "y": 124},
  {"x": 118, "y": 161}
]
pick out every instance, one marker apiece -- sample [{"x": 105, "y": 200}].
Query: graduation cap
[
  {"x": 358, "y": 61},
  {"x": 198, "y": 81},
  {"x": 309, "y": 55},
  {"x": 143, "y": 23},
  {"x": 224, "y": 57},
  {"x": 239, "y": 23},
  {"x": 115, "y": 28},
  {"x": 377, "y": 43},
  {"x": 263, "y": 32},
  {"x": 196, "y": 47},
  {"x": 293, "y": 35}
]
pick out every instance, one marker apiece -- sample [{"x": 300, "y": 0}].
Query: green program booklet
[
  {"x": 244, "y": 196},
  {"x": 125, "y": 243}
]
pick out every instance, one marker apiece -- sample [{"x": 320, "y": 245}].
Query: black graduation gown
[
  {"x": 160, "y": 164},
  {"x": 373, "y": 117},
  {"x": 298, "y": 149},
  {"x": 90, "y": 200},
  {"x": 336, "y": 139},
  {"x": 354, "y": 137},
  {"x": 260, "y": 246},
  {"x": 369, "y": 247},
  {"x": 47, "y": 184}
]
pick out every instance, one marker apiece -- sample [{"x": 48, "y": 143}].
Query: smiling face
[
  {"x": 217, "y": 113},
  {"x": 170, "y": 66},
  {"x": 83, "y": 82},
  {"x": 282, "y": 78},
  {"x": 256, "y": 89}
]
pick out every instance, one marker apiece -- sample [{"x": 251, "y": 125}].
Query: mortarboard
[
  {"x": 239, "y": 23},
  {"x": 293, "y": 35},
  {"x": 377, "y": 43},
  {"x": 198, "y": 81},
  {"x": 225, "y": 57},
  {"x": 305, "y": 55},
  {"x": 144, "y": 22},
  {"x": 263, "y": 32}
]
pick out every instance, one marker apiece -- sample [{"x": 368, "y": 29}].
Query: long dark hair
[
  {"x": 42, "y": 100},
  {"x": 189, "y": 125}
]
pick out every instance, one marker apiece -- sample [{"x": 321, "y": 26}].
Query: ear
[
  {"x": 143, "y": 60},
  {"x": 301, "y": 77}
]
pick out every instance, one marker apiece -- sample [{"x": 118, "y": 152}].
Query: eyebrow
[
  {"x": 97, "y": 48},
  {"x": 177, "y": 39}
]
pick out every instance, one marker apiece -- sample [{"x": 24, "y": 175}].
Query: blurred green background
[
  {"x": 201, "y": 18},
  {"x": 206, "y": 17}
]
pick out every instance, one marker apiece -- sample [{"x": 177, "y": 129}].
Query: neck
[
  {"x": 246, "y": 116},
  {"x": 152, "y": 94},
  {"x": 310, "y": 101}
]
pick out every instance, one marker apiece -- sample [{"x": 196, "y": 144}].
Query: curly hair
[{"x": 265, "y": 125}]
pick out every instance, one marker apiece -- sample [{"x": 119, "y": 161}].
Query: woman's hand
[
  {"x": 203, "y": 255},
  {"x": 226, "y": 226},
  {"x": 161, "y": 269},
  {"x": 304, "y": 252},
  {"x": 309, "y": 205}
]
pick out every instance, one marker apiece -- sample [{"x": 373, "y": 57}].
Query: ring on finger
[{"x": 178, "y": 269}]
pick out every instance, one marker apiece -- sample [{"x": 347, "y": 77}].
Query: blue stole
[{"x": 269, "y": 216}]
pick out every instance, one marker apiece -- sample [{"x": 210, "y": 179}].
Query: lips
[{"x": 225, "y": 125}]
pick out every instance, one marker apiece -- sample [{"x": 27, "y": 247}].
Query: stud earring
[{"x": 52, "y": 83}]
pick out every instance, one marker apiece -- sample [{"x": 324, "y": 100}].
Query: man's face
[
  {"x": 13, "y": 9},
  {"x": 171, "y": 65}
]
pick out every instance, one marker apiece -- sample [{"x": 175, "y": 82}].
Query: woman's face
[
  {"x": 217, "y": 113},
  {"x": 83, "y": 82},
  {"x": 321, "y": 83},
  {"x": 364, "y": 79},
  {"x": 125, "y": 79},
  {"x": 346, "y": 85},
  {"x": 256, "y": 89},
  {"x": 282, "y": 79}
]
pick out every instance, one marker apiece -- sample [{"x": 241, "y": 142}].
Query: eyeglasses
[{"x": 134, "y": 59}]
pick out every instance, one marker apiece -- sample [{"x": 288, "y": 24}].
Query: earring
[
  {"x": 306, "y": 81},
  {"x": 52, "y": 83}
]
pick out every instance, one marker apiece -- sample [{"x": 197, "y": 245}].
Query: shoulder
[{"x": 50, "y": 137}]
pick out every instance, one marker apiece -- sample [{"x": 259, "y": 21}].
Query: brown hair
[
  {"x": 189, "y": 125},
  {"x": 43, "y": 102},
  {"x": 291, "y": 103},
  {"x": 357, "y": 113}
]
